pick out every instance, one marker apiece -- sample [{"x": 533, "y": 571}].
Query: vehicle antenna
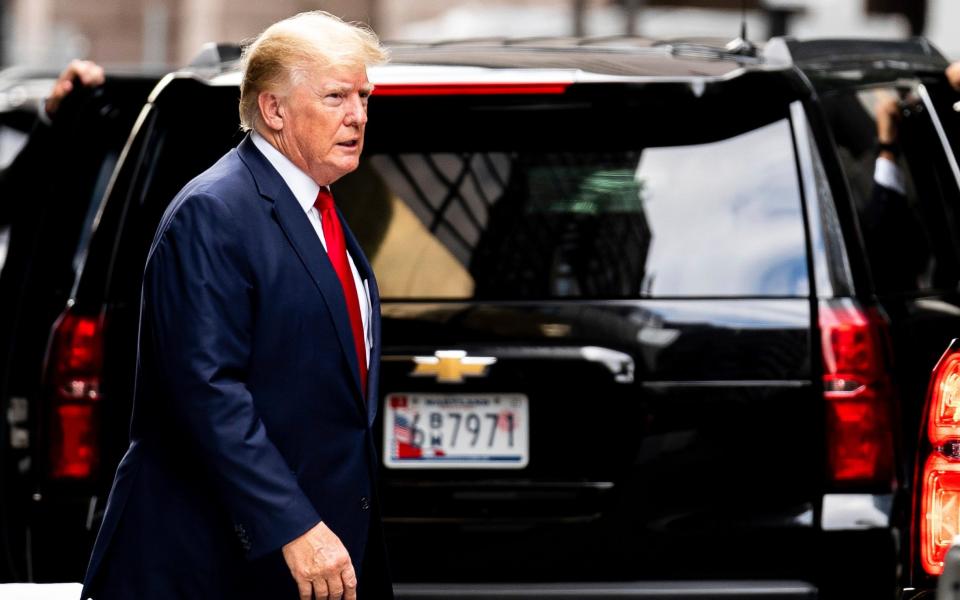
[
  {"x": 743, "y": 20},
  {"x": 742, "y": 44}
]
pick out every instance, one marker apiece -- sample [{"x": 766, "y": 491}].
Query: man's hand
[
  {"x": 89, "y": 73},
  {"x": 887, "y": 111},
  {"x": 953, "y": 75},
  {"x": 321, "y": 565},
  {"x": 888, "y": 118}
]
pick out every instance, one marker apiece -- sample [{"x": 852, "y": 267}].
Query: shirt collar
[{"x": 303, "y": 187}]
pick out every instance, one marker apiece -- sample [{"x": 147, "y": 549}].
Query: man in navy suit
[{"x": 251, "y": 464}]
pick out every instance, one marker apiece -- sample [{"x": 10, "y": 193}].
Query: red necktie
[{"x": 337, "y": 251}]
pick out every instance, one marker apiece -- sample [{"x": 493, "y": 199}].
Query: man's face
[{"x": 324, "y": 117}]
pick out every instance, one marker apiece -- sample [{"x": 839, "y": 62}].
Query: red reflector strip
[
  {"x": 72, "y": 451},
  {"x": 469, "y": 89}
]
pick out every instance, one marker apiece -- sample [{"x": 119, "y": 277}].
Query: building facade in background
[
  {"x": 144, "y": 32},
  {"x": 165, "y": 33}
]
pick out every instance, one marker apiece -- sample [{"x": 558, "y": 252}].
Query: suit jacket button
[
  {"x": 242, "y": 536},
  {"x": 364, "y": 503}
]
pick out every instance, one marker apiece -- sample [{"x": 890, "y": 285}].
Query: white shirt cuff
[{"x": 889, "y": 175}]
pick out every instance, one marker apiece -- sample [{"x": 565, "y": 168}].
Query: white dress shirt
[
  {"x": 887, "y": 173},
  {"x": 305, "y": 190}
]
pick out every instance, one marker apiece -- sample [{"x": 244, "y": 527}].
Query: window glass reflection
[{"x": 721, "y": 218}]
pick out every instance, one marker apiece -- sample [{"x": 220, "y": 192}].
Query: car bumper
[{"x": 700, "y": 590}]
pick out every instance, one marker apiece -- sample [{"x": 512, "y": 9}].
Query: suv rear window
[
  {"x": 633, "y": 206},
  {"x": 606, "y": 191}
]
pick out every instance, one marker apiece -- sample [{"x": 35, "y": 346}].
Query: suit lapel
[{"x": 302, "y": 236}]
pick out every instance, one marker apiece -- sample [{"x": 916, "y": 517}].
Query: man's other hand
[
  {"x": 953, "y": 75},
  {"x": 887, "y": 112},
  {"x": 321, "y": 565},
  {"x": 89, "y": 74}
]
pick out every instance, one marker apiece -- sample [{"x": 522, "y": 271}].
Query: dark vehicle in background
[
  {"x": 21, "y": 91},
  {"x": 49, "y": 198},
  {"x": 911, "y": 251},
  {"x": 638, "y": 335}
]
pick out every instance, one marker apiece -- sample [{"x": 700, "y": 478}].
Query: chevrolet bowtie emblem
[{"x": 451, "y": 366}]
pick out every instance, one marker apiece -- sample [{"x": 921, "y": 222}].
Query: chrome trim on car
[
  {"x": 451, "y": 366},
  {"x": 620, "y": 364},
  {"x": 506, "y": 483},
  {"x": 493, "y": 522},
  {"x": 844, "y": 512},
  {"x": 601, "y": 591},
  {"x": 941, "y": 132},
  {"x": 737, "y": 383}
]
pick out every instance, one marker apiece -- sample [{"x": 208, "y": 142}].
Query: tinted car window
[
  {"x": 708, "y": 217},
  {"x": 911, "y": 238},
  {"x": 13, "y": 137},
  {"x": 12, "y": 141},
  {"x": 169, "y": 151}
]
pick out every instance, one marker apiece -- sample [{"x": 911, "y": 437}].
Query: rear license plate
[{"x": 463, "y": 431}]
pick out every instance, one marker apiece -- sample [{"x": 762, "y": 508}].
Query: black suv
[
  {"x": 639, "y": 334},
  {"x": 49, "y": 200}
]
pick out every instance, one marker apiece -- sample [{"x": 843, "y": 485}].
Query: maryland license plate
[{"x": 463, "y": 431}]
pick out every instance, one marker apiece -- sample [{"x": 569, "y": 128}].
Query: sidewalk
[{"x": 37, "y": 591}]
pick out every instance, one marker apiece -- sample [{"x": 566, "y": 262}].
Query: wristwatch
[{"x": 893, "y": 148}]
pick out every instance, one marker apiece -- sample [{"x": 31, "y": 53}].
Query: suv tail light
[
  {"x": 74, "y": 364},
  {"x": 940, "y": 500},
  {"x": 858, "y": 393}
]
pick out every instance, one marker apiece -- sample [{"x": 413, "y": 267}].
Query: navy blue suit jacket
[{"x": 248, "y": 425}]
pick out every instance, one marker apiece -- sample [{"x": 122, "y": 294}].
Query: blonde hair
[{"x": 281, "y": 56}]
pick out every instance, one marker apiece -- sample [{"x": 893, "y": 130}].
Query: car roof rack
[
  {"x": 914, "y": 54},
  {"x": 216, "y": 56},
  {"x": 619, "y": 55},
  {"x": 821, "y": 54},
  {"x": 631, "y": 55}
]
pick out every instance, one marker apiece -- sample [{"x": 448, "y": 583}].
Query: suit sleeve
[
  {"x": 198, "y": 313},
  {"x": 895, "y": 240}
]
